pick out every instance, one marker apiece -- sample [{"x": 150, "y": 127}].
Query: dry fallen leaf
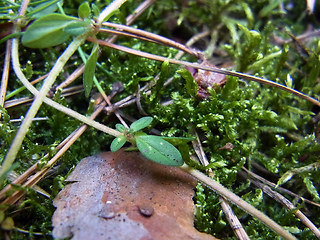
[
  {"x": 124, "y": 196},
  {"x": 206, "y": 79}
]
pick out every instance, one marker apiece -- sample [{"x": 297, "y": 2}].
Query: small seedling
[{"x": 155, "y": 148}]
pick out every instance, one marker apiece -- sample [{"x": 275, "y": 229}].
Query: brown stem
[
  {"x": 208, "y": 68},
  {"x": 215, "y": 186}
]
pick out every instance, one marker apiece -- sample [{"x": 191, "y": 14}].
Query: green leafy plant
[
  {"x": 263, "y": 126},
  {"x": 89, "y": 70},
  {"x": 152, "y": 147},
  {"x": 53, "y": 29}
]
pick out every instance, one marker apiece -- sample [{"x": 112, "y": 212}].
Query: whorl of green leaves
[{"x": 152, "y": 147}]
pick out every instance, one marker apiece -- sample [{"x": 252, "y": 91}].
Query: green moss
[{"x": 265, "y": 125}]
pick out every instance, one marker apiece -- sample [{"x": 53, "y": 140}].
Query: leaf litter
[{"x": 124, "y": 196}]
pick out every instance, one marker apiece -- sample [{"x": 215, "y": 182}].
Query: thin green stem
[
  {"x": 5, "y": 74},
  {"x": 60, "y": 8},
  {"x": 41, "y": 96},
  {"x": 237, "y": 201},
  {"x": 109, "y": 10},
  {"x": 68, "y": 111},
  {"x": 48, "y": 82},
  {"x": 97, "y": 84},
  {"x": 15, "y": 92},
  {"x": 12, "y": 35}
]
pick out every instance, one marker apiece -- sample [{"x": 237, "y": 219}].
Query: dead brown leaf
[
  {"x": 206, "y": 79},
  {"x": 124, "y": 196}
]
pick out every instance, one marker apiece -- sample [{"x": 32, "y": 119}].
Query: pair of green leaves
[
  {"x": 119, "y": 141},
  {"x": 152, "y": 147},
  {"x": 54, "y": 29}
]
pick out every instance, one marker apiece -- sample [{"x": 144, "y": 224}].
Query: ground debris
[{"x": 124, "y": 196}]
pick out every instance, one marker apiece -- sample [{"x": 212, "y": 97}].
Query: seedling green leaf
[
  {"x": 177, "y": 140},
  {"x": 95, "y": 10},
  {"x": 117, "y": 143},
  {"x": 140, "y": 124},
  {"x": 84, "y": 10},
  {"x": 89, "y": 70},
  {"x": 121, "y": 128},
  {"x": 47, "y": 31},
  {"x": 158, "y": 150},
  {"x": 77, "y": 28}
]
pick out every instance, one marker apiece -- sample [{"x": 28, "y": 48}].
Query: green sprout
[{"x": 155, "y": 148}]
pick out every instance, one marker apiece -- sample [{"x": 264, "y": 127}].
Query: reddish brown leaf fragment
[
  {"x": 206, "y": 79},
  {"x": 124, "y": 196},
  {"x": 228, "y": 146}
]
